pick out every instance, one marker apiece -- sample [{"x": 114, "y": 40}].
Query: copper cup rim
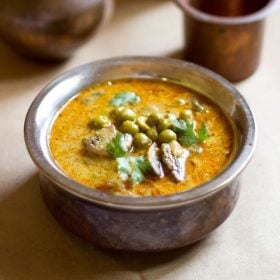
[{"x": 259, "y": 15}]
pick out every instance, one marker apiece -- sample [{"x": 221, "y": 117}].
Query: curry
[{"x": 141, "y": 137}]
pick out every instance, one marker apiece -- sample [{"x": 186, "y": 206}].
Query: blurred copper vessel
[
  {"x": 226, "y": 36},
  {"x": 50, "y": 29}
]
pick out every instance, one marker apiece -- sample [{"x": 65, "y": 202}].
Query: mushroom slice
[
  {"x": 153, "y": 158},
  {"x": 97, "y": 144},
  {"x": 174, "y": 157}
]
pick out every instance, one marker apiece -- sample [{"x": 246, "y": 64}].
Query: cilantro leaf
[
  {"x": 202, "y": 133},
  {"x": 136, "y": 176},
  {"x": 188, "y": 137},
  {"x": 124, "y": 168},
  {"x": 133, "y": 168},
  {"x": 143, "y": 164},
  {"x": 187, "y": 134},
  {"x": 117, "y": 147},
  {"x": 179, "y": 126},
  {"x": 93, "y": 97},
  {"x": 123, "y": 98}
]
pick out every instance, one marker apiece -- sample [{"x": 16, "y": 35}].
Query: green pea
[
  {"x": 141, "y": 140},
  {"x": 154, "y": 118},
  {"x": 164, "y": 124},
  {"x": 152, "y": 133},
  {"x": 126, "y": 115},
  {"x": 186, "y": 115},
  {"x": 100, "y": 122},
  {"x": 116, "y": 111},
  {"x": 141, "y": 121},
  {"x": 167, "y": 136},
  {"x": 129, "y": 127}
]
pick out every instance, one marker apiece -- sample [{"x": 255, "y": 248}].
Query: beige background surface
[{"x": 34, "y": 246}]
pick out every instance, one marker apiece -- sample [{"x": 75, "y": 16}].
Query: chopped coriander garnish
[
  {"x": 124, "y": 168},
  {"x": 117, "y": 147},
  {"x": 92, "y": 97},
  {"x": 187, "y": 134},
  {"x": 202, "y": 133},
  {"x": 124, "y": 98},
  {"x": 133, "y": 168},
  {"x": 188, "y": 137},
  {"x": 179, "y": 126},
  {"x": 129, "y": 167}
]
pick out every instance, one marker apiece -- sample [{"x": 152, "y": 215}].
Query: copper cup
[
  {"x": 226, "y": 36},
  {"x": 50, "y": 29}
]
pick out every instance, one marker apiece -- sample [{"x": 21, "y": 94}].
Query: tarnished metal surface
[
  {"x": 139, "y": 223},
  {"x": 144, "y": 231},
  {"x": 225, "y": 36},
  {"x": 50, "y": 29}
]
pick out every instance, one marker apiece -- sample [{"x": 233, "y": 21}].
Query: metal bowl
[
  {"x": 146, "y": 223},
  {"x": 50, "y": 29}
]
